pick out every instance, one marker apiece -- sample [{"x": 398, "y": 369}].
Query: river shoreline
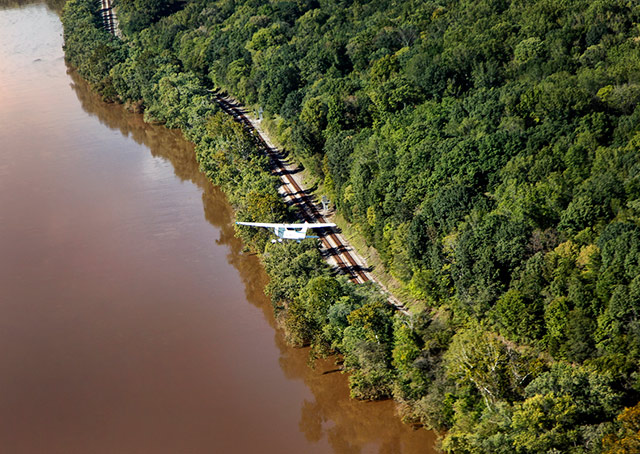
[
  {"x": 132, "y": 319},
  {"x": 228, "y": 157}
]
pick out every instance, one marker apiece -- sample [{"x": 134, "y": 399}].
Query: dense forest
[{"x": 488, "y": 149}]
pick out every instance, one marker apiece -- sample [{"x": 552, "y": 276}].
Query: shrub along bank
[{"x": 489, "y": 151}]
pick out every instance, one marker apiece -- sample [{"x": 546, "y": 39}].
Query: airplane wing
[{"x": 288, "y": 226}]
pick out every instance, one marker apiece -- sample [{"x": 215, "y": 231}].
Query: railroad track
[
  {"x": 292, "y": 191},
  {"x": 109, "y": 20},
  {"x": 333, "y": 245}
]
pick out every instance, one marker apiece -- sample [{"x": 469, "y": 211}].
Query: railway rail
[
  {"x": 334, "y": 247},
  {"x": 109, "y": 20},
  {"x": 298, "y": 196}
]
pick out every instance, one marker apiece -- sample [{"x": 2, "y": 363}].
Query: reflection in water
[
  {"x": 348, "y": 425},
  {"x": 171, "y": 146},
  {"x": 53, "y": 5}
]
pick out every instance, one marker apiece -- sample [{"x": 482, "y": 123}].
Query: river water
[{"x": 130, "y": 319}]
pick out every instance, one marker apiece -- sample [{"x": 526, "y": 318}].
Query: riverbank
[
  {"x": 132, "y": 318},
  {"x": 327, "y": 313}
]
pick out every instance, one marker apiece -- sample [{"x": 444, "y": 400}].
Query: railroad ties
[
  {"x": 334, "y": 247},
  {"x": 109, "y": 19}
]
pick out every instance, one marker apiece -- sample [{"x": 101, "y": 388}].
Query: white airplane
[{"x": 296, "y": 232}]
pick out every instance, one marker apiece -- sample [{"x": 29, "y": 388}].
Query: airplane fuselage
[
  {"x": 296, "y": 232},
  {"x": 290, "y": 234}
]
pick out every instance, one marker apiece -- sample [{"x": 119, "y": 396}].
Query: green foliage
[
  {"x": 412, "y": 381},
  {"x": 479, "y": 358},
  {"x": 519, "y": 317},
  {"x": 626, "y": 439},
  {"x": 564, "y": 410},
  {"x": 90, "y": 48},
  {"x": 545, "y": 422},
  {"x": 136, "y": 15},
  {"x": 291, "y": 266},
  {"x": 308, "y": 313}
]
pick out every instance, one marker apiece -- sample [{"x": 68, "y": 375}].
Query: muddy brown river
[{"x": 131, "y": 321}]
